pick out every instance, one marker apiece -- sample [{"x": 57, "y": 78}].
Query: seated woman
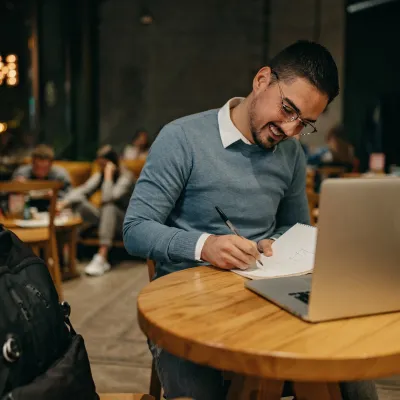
[
  {"x": 139, "y": 146},
  {"x": 116, "y": 185}
]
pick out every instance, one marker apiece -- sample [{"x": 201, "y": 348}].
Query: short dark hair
[
  {"x": 43, "y": 152},
  {"x": 309, "y": 60}
]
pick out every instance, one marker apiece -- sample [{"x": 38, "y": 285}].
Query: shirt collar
[{"x": 228, "y": 131}]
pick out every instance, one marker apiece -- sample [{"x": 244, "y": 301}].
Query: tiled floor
[{"x": 104, "y": 312}]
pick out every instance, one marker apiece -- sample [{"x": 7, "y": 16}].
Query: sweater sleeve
[
  {"x": 112, "y": 192},
  {"x": 293, "y": 208},
  {"x": 84, "y": 191},
  {"x": 63, "y": 176},
  {"x": 160, "y": 184}
]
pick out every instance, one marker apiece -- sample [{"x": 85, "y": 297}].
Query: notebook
[{"x": 293, "y": 254}]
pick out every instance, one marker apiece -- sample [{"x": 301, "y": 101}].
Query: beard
[{"x": 262, "y": 140}]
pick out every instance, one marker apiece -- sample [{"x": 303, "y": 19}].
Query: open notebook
[{"x": 293, "y": 254}]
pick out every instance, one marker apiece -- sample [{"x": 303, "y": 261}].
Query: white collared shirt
[
  {"x": 229, "y": 135},
  {"x": 227, "y": 129}
]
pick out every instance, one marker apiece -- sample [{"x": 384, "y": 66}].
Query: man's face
[
  {"x": 267, "y": 119},
  {"x": 41, "y": 168}
]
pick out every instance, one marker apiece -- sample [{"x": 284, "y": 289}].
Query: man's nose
[{"x": 292, "y": 128}]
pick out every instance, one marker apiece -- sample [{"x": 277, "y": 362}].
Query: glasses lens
[{"x": 289, "y": 113}]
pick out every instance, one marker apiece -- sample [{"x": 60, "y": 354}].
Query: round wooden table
[
  {"x": 68, "y": 227},
  {"x": 207, "y": 316}
]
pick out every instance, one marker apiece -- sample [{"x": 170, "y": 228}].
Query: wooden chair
[
  {"x": 313, "y": 200},
  {"x": 40, "y": 238},
  {"x": 310, "y": 179},
  {"x": 155, "y": 384},
  {"x": 327, "y": 171}
]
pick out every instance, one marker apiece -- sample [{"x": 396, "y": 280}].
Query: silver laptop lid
[{"x": 357, "y": 261}]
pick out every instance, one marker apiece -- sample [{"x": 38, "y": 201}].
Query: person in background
[
  {"x": 116, "y": 185},
  {"x": 42, "y": 168},
  {"x": 139, "y": 147},
  {"x": 337, "y": 152}
]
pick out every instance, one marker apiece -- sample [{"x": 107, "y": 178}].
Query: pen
[{"x": 231, "y": 226}]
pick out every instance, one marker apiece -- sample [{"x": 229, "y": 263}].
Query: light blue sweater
[{"x": 188, "y": 172}]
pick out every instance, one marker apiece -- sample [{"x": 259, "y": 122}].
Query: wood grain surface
[{"x": 207, "y": 316}]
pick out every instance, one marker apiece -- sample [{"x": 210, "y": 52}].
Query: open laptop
[{"x": 357, "y": 260}]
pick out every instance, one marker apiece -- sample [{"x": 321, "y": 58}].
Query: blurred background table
[{"x": 67, "y": 228}]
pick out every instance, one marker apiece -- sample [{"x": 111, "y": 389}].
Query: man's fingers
[
  {"x": 230, "y": 262},
  {"x": 237, "y": 253},
  {"x": 247, "y": 246},
  {"x": 266, "y": 246}
]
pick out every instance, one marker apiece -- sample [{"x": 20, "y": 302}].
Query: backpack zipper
[
  {"x": 38, "y": 294},
  {"x": 18, "y": 301}
]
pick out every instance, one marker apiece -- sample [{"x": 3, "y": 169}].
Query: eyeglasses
[{"x": 290, "y": 114}]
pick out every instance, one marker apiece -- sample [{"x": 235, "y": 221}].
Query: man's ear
[{"x": 262, "y": 79}]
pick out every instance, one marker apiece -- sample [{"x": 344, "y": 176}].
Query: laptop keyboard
[{"x": 302, "y": 296}]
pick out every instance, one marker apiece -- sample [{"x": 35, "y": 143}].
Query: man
[
  {"x": 244, "y": 159},
  {"x": 42, "y": 168}
]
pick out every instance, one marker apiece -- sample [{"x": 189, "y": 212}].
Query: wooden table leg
[
  {"x": 71, "y": 270},
  {"x": 73, "y": 234},
  {"x": 251, "y": 388},
  {"x": 317, "y": 391}
]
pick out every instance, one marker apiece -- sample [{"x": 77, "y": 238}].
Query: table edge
[{"x": 179, "y": 346}]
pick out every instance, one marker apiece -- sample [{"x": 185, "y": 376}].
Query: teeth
[{"x": 275, "y": 131}]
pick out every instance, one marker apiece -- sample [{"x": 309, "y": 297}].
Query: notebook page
[{"x": 293, "y": 254}]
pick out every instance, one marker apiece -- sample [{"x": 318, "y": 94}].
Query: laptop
[{"x": 357, "y": 260}]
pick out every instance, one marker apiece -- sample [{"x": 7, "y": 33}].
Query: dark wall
[
  {"x": 372, "y": 79},
  {"x": 195, "y": 56},
  {"x": 68, "y": 76}
]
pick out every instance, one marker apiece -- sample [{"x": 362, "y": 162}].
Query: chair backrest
[
  {"x": 331, "y": 171},
  {"x": 79, "y": 171},
  {"x": 310, "y": 179},
  {"x": 313, "y": 200}
]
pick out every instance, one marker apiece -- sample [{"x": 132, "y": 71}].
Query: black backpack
[{"x": 41, "y": 356}]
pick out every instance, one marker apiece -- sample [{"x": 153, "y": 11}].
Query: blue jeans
[{"x": 183, "y": 378}]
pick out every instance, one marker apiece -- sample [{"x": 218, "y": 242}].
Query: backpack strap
[{"x": 3, "y": 379}]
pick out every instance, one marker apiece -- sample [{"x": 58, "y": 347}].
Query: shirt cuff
[{"x": 199, "y": 246}]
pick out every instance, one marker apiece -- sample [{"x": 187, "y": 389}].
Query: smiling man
[{"x": 244, "y": 159}]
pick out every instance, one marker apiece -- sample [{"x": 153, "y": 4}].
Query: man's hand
[
  {"x": 109, "y": 171},
  {"x": 60, "y": 205},
  {"x": 230, "y": 251},
  {"x": 265, "y": 246},
  {"x": 20, "y": 179}
]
